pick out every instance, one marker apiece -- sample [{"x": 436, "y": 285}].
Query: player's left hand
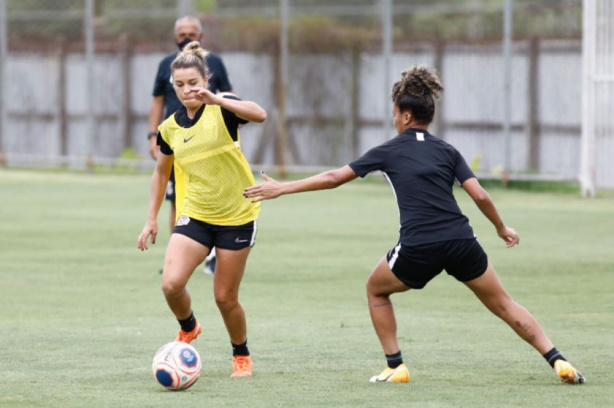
[
  {"x": 204, "y": 95},
  {"x": 268, "y": 190}
]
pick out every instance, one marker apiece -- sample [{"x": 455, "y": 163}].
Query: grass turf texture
[{"x": 82, "y": 312}]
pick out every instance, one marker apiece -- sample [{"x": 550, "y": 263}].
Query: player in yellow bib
[{"x": 202, "y": 139}]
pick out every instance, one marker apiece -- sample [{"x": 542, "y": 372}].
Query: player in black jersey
[{"x": 434, "y": 234}]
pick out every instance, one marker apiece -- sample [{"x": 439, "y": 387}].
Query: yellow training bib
[{"x": 215, "y": 172}]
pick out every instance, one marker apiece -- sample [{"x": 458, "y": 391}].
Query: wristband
[{"x": 151, "y": 134}]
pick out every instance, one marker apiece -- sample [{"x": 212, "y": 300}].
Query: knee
[
  {"x": 373, "y": 290},
  {"x": 172, "y": 288},
  {"x": 226, "y": 300}
]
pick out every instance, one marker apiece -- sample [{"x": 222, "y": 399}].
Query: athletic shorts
[
  {"x": 170, "y": 186},
  {"x": 415, "y": 266},
  {"x": 218, "y": 236}
]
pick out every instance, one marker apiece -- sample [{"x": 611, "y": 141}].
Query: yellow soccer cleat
[
  {"x": 567, "y": 373},
  {"x": 188, "y": 337},
  {"x": 395, "y": 375},
  {"x": 241, "y": 366}
]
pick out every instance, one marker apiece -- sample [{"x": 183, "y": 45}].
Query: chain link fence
[{"x": 322, "y": 70}]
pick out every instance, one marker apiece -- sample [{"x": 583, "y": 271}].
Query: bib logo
[{"x": 183, "y": 220}]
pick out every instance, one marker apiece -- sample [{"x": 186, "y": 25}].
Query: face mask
[{"x": 183, "y": 43}]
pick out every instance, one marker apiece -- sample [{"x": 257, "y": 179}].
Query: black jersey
[
  {"x": 163, "y": 86},
  {"x": 421, "y": 169}
]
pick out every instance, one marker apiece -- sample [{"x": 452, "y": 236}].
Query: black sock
[
  {"x": 552, "y": 356},
  {"x": 187, "y": 325},
  {"x": 240, "y": 349},
  {"x": 394, "y": 360}
]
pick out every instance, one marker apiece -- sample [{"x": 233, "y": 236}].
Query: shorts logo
[
  {"x": 239, "y": 241},
  {"x": 183, "y": 220}
]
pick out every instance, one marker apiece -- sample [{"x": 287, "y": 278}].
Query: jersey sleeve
[
  {"x": 462, "y": 172},
  {"x": 371, "y": 161},
  {"x": 160, "y": 81},
  {"x": 231, "y": 120},
  {"x": 165, "y": 148}
]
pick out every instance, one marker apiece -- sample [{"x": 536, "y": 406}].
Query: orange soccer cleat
[
  {"x": 397, "y": 375},
  {"x": 241, "y": 366},
  {"x": 567, "y": 373},
  {"x": 188, "y": 337}
]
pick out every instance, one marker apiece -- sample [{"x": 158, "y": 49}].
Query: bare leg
[
  {"x": 380, "y": 285},
  {"x": 183, "y": 255},
  {"x": 489, "y": 290},
  {"x": 230, "y": 269}
]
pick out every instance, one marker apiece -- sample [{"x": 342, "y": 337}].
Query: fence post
[
  {"x": 533, "y": 106},
  {"x": 184, "y": 8},
  {"x": 507, "y": 89},
  {"x": 355, "y": 102},
  {"x": 282, "y": 126},
  {"x": 61, "y": 102},
  {"x": 439, "y": 48},
  {"x": 387, "y": 55},
  {"x": 3, "y": 57},
  {"x": 88, "y": 21},
  {"x": 589, "y": 50},
  {"x": 125, "y": 113}
]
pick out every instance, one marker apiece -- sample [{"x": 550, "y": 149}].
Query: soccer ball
[{"x": 176, "y": 366}]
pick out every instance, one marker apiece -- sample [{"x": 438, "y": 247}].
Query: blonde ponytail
[{"x": 192, "y": 56}]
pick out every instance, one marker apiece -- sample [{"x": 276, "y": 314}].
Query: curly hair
[
  {"x": 192, "y": 56},
  {"x": 417, "y": 92}
]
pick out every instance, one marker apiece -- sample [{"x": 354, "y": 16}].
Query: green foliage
[
  {"x": 83, "y": 312},
  {"x": 535, "y": 186},
  {"x": 205, "y": 5},
  {"x": 449, "y": 20},
  {"x": 130, "y": 153}
]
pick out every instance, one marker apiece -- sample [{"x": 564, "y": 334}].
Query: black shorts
[
  {"x": 415, "y": 266},
  {"x": 170, "y": 187},
  {"x": 219, "y": 236}
]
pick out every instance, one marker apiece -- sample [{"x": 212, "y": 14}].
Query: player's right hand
[
  {"x": 154, "y": 150},
  {"x": 509, "y": 235},
  {"x": 150, "y": 229}
]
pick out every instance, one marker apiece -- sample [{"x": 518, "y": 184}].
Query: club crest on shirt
[{"x": 183, "y": 220}]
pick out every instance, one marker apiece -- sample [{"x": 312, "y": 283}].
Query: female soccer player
[
  {"x": 202, "y": 136},
  {"x": 434, "y": 234}
]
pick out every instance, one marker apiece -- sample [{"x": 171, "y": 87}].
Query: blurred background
[{"x": 522, "y": 100}]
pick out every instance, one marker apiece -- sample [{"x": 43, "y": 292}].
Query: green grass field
[{"x": 82, "y": 311}]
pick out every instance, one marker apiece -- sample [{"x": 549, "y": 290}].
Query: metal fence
[{"x": 323, "y": 70}]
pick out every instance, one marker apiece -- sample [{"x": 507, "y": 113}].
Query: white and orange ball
[{"x": 176, "y": 366}]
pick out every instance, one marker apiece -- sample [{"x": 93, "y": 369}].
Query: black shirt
[
  {"x": 163, "y": 86},
  {"x": 231, "y": 121},
  {"x": 421, "y": 170}
]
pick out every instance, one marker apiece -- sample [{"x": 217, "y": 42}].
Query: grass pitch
[{"x": 82, "y": 312}]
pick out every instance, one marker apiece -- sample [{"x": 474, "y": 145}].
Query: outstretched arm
[
  {"x": 485, "y": 204},
  {"x": 272, "y": 189}
]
